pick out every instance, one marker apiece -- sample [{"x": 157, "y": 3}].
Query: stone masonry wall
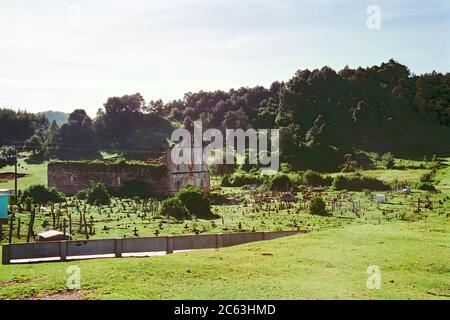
[{"x": 71, "y": 177}]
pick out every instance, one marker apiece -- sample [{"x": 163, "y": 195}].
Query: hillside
[{"x": 58, "y": 116}]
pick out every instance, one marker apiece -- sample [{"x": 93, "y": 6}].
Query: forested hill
[
  {"x": 59, "y": 117},
  {"x": 322, "y": 114}
]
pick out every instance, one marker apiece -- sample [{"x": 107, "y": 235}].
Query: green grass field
[
  {"x": 413, "y": 258},
  {"x": 35, "y": 174},
  {"x": 411, "y": 249}
]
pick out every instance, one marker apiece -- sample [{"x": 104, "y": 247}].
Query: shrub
[
  {"x": 227, "y": 181},
  {"x": 174, "y": 207},
  {"x": 388, "y": 160},
  {"x": 315, "y": 179},
  {"x": 239, "y": 180},
  {"x": 81, "y": 195},
  {"x": 350, "y": 164},
  {"x": 317, "y": 207},
  {"x": 281, "y": 182},
  {"x": 426, "y": 177},
  {"x": 425, "y": 186},
  {"x": 218, "y": 199},
  {"x": 131, "y": 189},
  {"x": 196, "y": 202},
  {"x": 41, "y": 195},
  {"x": 356, "y": 182},
  {"x": 98, "y": 195}
]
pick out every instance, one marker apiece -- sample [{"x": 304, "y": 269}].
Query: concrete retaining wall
[{"x": 61, "y": 250}]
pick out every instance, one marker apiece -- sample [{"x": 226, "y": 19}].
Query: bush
[
  {"x": 41, "y": 195},
  {"x": 196, "y": 202},
  {"x": 317, "y": 207},
  {"x": 239, "y": 180},
  {"x": 356, "y": 182},
  {"x": 315, "y": 179},
  {"x": 98, "y": 195},
  {"x": 281, "y": 182},
  {"x": 227, "y": 180},
  {"x": 81, "y": 195},
  {"x": 174, "y": 207},
  {"x": 131, "y": 189},
  {"x": 425, "y": 186},
  {"x": 426, "y": 177},
  {"x": 388, "y": 160}
]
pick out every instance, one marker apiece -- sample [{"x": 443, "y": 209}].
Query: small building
[
  {"x": 52, "y": 235},
  {"x": 4, "y": 203}
]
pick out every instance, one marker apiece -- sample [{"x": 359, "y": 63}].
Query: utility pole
[{"x": 15, "y": 172}]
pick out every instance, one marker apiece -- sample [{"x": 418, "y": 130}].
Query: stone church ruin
[{"x": 163, "y": 177}]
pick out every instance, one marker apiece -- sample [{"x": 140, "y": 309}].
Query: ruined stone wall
[
  {"x": 71, "y": 177},
  {"x": 164, "y": 180}
]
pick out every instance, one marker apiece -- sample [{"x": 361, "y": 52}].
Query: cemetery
[{"x": 68, "y": 225}]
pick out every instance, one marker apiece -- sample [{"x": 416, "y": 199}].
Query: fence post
[
  {"x": 63, "y": 250},
  {"x": 219, "y": 240},
  {"x": 169, "y": 248},
  {"x": 6, "y": 254},
  {"x": 118, "y": 248},
  {"x": 266, "y": 235}
]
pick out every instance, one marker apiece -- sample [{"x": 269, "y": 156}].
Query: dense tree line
[{"x": 323, "y": 116}]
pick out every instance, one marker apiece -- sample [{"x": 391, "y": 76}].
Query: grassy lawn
[
  {"x": 35, "y": 174},
  {"x": 408, "y": 175},
  {"x": 329, "y": 264}
]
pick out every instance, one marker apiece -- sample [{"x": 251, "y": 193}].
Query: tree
[
  {"x": 281, "y": 182},
  {"x": 196, "y": 202},
  {"x": 98, "y": 195},
  {"x": 174, "y": 207},
  {"x": 349, "y": 164},
  {"x": 77, "y": 138},
  {"x": 41, "y": 195},
  {"x": 315, "y": 132},
  {"x": 317, "y": 207},
  {"x": 126, "y": 125},
  {"x": 388, "y": 160},
  {"x": 34, "y": 144}
]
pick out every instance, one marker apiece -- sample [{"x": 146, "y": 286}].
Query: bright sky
[{"x": 57, "y": 54}]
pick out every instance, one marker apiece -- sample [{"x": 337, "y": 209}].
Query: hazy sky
[{"x": 65, "y": 54}]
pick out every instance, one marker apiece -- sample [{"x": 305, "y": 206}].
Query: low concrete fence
[{"x": 63, "y": 250}]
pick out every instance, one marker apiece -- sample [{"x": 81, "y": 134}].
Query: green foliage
[
  {"x": 240, "y": 179},
  {"x": 315, "y": 179},
  {"x": 350, "y": 164},
  {"x": 426, "y": 186},
  {"x": 42, "y": 195},
  {"x": 131, "y": 189},
  {"x": 98, "y": 195},
  {"x": 357, "y": 182},
  {"x": 317, "y": 207},
  {"x": 426, "y": 177},
  {"x": 227, "y": 180},
  {"x": 197, "y": 203},
  {"x": 20, "y": 125},
  {"x": 388, "y": 160},
  {"x": 79, "y": 133},
  {"x": 174, "y": 207},
  {"x": 81, "y": 195},
  {"x": 281, "y": 182}
]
